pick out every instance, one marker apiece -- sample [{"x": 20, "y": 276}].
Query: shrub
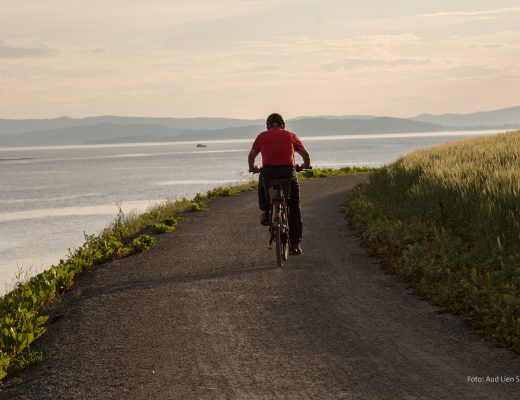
[
  {"x": 143, "y": 243},
  {"x": 170, "y": 221},
  {"x": 161, "y": 228}
]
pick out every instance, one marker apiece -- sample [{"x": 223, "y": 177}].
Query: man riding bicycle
[{"x": 277, "y": 146}]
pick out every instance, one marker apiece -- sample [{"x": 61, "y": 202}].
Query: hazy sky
[{"x": 246, "y": 58}]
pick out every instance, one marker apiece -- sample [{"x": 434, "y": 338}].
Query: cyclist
[{"x": 277, "y": 146}]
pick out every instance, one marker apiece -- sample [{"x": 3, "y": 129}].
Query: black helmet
[{"x": 275, "y": 119}]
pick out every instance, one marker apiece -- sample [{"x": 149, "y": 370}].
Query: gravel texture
[{"x": 206, "y": 314}]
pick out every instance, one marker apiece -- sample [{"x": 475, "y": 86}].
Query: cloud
[
  {"x": 76, "y": 18},
  {"x": 22, "y": 52},
  {"x": 473, "y": 13},
  {"x": 364, "y": 63},
  {"x": 300, "y": 45},
  {"x": 389, "y": 39},
  {"x": 440, "y": 22},
  {"x": 492, "y": 45},
  {"x": 207, "y": 57}
]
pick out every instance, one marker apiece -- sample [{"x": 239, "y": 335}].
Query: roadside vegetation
[
  {"x": 447, "y": 220},
  {"x": 324, "y": 172},
  {"x": 23, "y": 311}
]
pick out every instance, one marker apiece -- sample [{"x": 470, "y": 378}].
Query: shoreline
[{"x": 248, "y": 140}]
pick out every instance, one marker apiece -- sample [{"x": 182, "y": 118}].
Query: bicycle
[{"x": 279, "y": 192}]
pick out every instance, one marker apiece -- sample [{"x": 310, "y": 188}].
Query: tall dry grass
[{"x": 447, "y": 219}]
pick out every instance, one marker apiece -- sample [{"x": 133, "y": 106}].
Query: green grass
[
  {"x": 447, "y": 220},
  {"x": 23, "y": 310},
  {"x": 324, "y": 172},
  {"x": 162, "y": 228}
]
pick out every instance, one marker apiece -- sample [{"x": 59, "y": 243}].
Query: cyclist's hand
[
  {"x": 305, "y": 166},
  {"x": 255, "y": 169}
]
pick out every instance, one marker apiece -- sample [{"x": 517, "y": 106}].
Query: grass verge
[
  {"x": 447, "y": 220},
  {"x": 324, "y": 172}
]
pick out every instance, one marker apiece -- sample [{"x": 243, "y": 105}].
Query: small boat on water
[{"x": 201, "y": 145}]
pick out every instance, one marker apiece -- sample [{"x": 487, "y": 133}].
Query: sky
[{"x": 247, "y": 58}]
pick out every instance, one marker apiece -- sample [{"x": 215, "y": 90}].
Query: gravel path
[{"x": 207, "y": 315}]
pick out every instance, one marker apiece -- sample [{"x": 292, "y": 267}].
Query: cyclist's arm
[
  {"x": 251, "y": 159},
  {"x": 302, "y": 151}
]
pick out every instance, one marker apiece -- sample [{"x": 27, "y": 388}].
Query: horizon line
[{"x": 250, "y": 119}]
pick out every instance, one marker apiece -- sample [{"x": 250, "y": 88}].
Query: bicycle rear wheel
[
  {"x": 277, "y": 226},
  {"x": 285, "y": 236},
  {"x": 285, "y": 250},
  {"x": 279, "y": 246}
]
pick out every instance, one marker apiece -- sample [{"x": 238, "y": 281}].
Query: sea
[{"x": 51, "y": 197}]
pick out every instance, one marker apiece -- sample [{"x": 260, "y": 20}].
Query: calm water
[{"x": 50, "y": 197}]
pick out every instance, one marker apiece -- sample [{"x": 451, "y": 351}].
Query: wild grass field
[{"x": 447, "y": 220}]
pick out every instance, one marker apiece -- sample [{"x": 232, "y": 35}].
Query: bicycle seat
[{"x": 278, "y": 189}]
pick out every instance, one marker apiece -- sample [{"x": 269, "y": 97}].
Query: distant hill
[
  {"x": 246, "y": 132},
  {"x": 99, "y": 133},
  {"x": 13, "y": 127},
  {"x": 505, "y": 117},
  {"x": 329, "y": 126},
  {"x": 96, "y": 133},
  {"x": 114, "y": 129}
]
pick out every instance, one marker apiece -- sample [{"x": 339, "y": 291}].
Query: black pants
[{"x": 295, "y": 215}]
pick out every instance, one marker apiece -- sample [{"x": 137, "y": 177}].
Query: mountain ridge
[
  {"x": 104, "y": 132},
  {"x": 116, "y": 129},
  {"x": 504, "y": 116}
]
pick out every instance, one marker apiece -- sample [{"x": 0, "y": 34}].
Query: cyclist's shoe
[
  {"x": 264, "y": 218},
  {"x": 295, "y": 249}
]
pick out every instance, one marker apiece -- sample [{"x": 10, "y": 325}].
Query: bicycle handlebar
[{"x": 298, "y": 168}]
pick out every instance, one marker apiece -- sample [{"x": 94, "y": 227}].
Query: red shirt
[{"x": 277, "y": 146}]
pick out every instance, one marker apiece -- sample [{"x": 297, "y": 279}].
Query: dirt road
[{"x": 207, "y": 315}]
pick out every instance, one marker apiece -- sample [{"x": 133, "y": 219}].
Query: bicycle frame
[{"x": 279, "y": 191}]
